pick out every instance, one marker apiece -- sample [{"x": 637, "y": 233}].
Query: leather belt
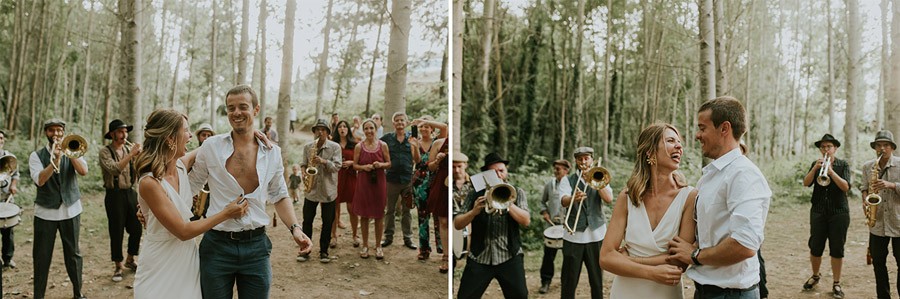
[
  {"x": 241, "y": 235},
  {"x": 712, "y": 289}
]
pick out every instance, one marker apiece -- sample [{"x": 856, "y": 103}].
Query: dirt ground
[
  {"x": 348, "y": 276},
  {"x": 785, "y": 252}
]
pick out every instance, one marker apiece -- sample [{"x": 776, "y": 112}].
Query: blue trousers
[{"x": 225, "y": 262}]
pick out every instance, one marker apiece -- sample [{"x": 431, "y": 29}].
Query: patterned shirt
[
  {"x": 887, "y": 223},
  {"x": 495, "y": 251}
]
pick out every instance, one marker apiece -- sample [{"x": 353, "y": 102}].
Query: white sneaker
[{"x": 302, "y": 258}]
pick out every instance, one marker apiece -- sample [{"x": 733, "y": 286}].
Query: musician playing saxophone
[
  {"x": 583, "y": 246},
  {"x": 887, "y": 223},
  {"x": 325, "y": 156},
  {"x": 829, "y": 216}
]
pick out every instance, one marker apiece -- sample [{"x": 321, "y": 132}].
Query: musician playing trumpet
[
  {"x": 829, "y": 216},
  {"x": 121, "y": 199},
  {"x": 887, "y": 220},
  {"x": 582, "y": 246},
  {"x": 496, "y": 249},
  {"x": 325, "y": 156},
  {"x": 57, "y": 207}
]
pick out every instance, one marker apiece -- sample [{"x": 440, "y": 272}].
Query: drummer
[
  {"x": 552, "y": 212},
  {"x": 8, "y": 188}
]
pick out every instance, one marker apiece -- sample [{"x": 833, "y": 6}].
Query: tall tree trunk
[
  {"x": 892, "y": 107},
  {"x": 375, "y": 59},
  {"x": 579, "y": 78},
  {"x": 287, "y": 62},
  {"x": 853, "y": 77},
  {"x": 398, "y": 51},
  {"x": 86, "y": 81},
  {"x": 212, "y": 72},
  {"x": 261, "y": 89},
  {"x": 500, "y": 109},
  {"x": 606, "y": 80},
  {"x": 16, "y": 88},
  {"x": 322, "y": 69},
  {"x": 885, "y": 67},
  {"x": 486, "y": 44},
  {"x": 130, "y": 11},
  {"x": 707, "y": 51},
  {"x": 458, "y": 24},
  {"x": 722, "y": 87},
  {"x": 245, "y": 43},
  {"x": 157, "y": 97},
  {"x": 832, "y": 118}
]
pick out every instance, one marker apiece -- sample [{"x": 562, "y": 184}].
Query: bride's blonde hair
[
  {"x": 647, "y": 146},
  {"x": 162, "y": 124}
]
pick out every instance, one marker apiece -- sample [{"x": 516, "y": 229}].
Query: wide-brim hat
[
  {"x": 204, "y": 128},
  {"x": 115, "y": 125},
  {"x": 884, "y": 135},
  {"x": 321, "y": 123},
  {"x": 491, "y": 159},
  {"x": 54, "y": 122},
  {"x": 828, "y": 138}
]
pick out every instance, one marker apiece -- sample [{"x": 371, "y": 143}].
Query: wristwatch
[
  {"x": 292, "y": 227},
  {"x": 694, "y": 256}
]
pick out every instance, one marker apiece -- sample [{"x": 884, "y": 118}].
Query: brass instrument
[
  {"x": 823, "y": 179},
  {"x": 598, "y": 177},
  {"x": 873, "y": 199},
  {"x": 499, "y": 197},
  {"x": 72, "y": 146},
  {"x": 201, "y": 204},
  {"x": 312, "y": 170}
]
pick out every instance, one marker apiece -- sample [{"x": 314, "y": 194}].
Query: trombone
[
  {"x": 72, "y": 146},
  {"x": 823, "y": 179},
  {"x": 598, "y": 179}
]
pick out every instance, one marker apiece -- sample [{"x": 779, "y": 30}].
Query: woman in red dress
[
  {"x": 370, "y": 159},
  {"x": 438, "y": 194},
  {"x": 346, "y": 182}
]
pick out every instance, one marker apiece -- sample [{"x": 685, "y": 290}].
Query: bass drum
[
  {"x": 460, "y": 243},
  {"x": 553, "y": 236},
  {"x": 10, "y": 215}
]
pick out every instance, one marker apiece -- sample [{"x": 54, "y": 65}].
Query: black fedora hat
[
  {"x": 491, "y": 159},
  {"x": 115, "y": 125},
  {"x": 828, "y": 138},
  {"x": 884, "y": 135}
]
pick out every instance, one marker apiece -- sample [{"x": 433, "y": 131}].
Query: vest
[
  {"x": 481, "y": 225},
  {"x": 61, "y": 187}
]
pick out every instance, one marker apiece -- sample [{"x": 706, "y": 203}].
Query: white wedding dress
[
  {"x": 170, "y": 268},
  {"x": 643, "y": 241}
]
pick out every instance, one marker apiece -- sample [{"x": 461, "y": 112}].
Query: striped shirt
[{"x": 496, "y": 241}]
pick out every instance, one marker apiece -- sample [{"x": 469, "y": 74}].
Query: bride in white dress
[
  {"x": 170, "y": 264},
  {"x": 656, "y": 206}
]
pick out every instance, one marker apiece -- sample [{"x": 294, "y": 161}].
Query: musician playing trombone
[
  {"x": 581, "y": 245},
  {"x": 887, "y": 222},
  {"x": 496, "y": 248},
  {"x": 8, "y": 187},
  {"x": 829, "y": 216},
  {"x": 57, "y": 207},
  {"x": 121, "y": 199}
]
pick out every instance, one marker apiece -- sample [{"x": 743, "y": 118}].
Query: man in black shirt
[{"x": 829, "y": 216}]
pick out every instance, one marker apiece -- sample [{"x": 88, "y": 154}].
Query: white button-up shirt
[
  {"x": 64, "y": 211},
  {"x": 733, "y": 201},
  {"x": 209, "y": 167}
]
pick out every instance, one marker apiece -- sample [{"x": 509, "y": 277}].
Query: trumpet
[
  {"x": 598, "y": 178},
  {"x": 72, "y": 146},
  {"x": 873, "y": 199},
  {"x": 823, "y": 179},
  {"x": 499, "y": 197}
]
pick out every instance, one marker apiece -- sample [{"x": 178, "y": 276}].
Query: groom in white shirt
[
  {"x": 731, "y": 208},
  {"x": 237, "y": 251}
]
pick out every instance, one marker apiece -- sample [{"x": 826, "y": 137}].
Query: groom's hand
[
  {"x": 304, "y": 242},
  {"x": 680, "y": 251}
]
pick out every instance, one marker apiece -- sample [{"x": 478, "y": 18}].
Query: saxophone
[
  {"x": 312, "y": 170},
  {"x": 873, "y": 199}
]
